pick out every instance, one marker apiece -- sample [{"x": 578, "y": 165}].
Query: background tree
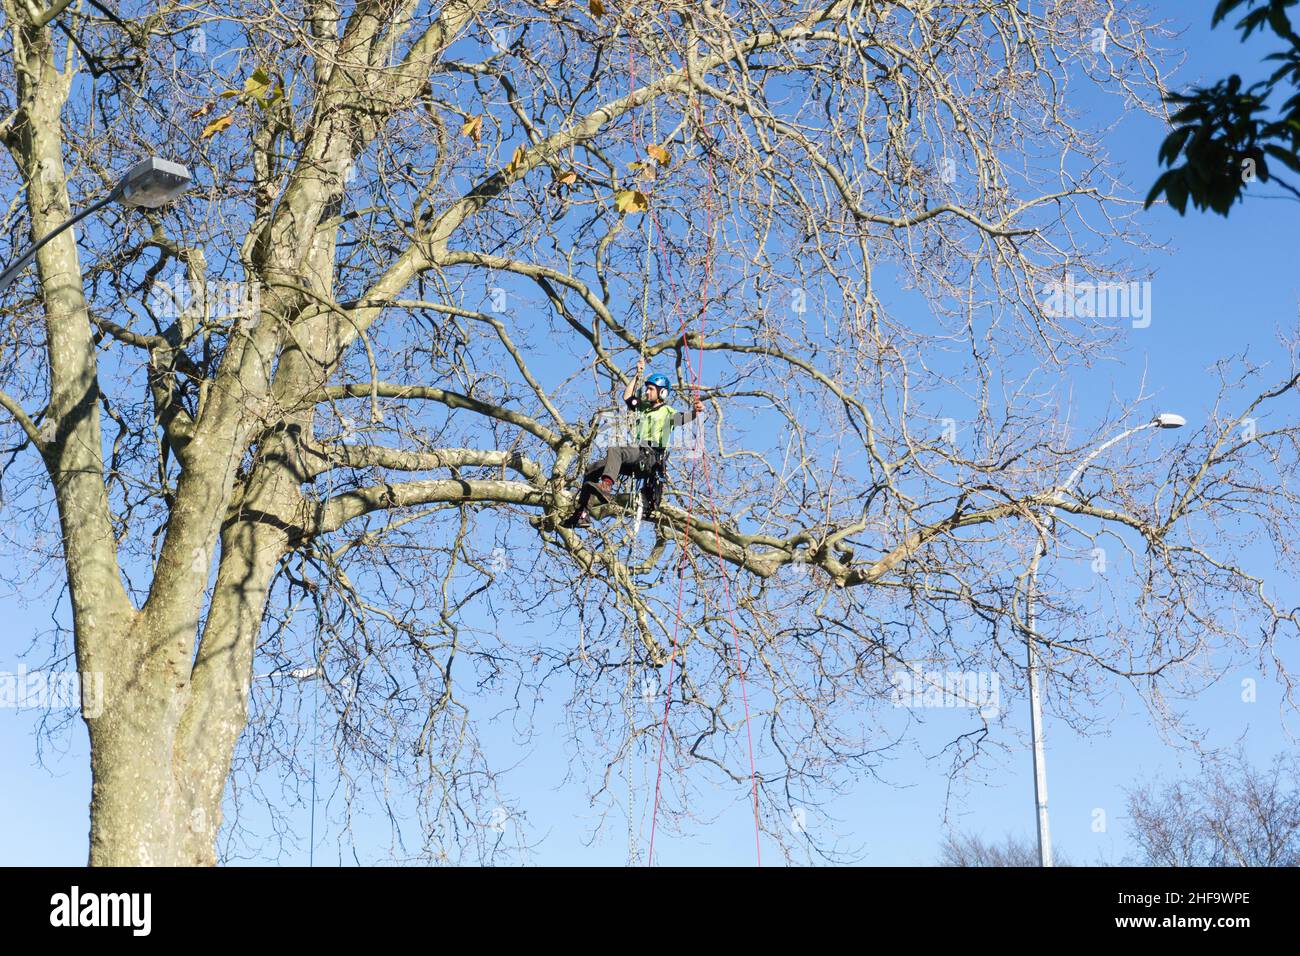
[
  {"x": 971, "y": 849},
  {"x": 451, "y": 231},
  {"x": 1232, "y": 814},
  {"x": 1222, "y": 133}
]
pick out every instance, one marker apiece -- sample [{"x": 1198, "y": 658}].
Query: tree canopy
[{"x": 322, "y": 415}]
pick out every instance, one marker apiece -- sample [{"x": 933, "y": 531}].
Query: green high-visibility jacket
[{"x": 654, "y": 426}]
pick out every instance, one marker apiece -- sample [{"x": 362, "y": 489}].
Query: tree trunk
[
  {"x": 136, "y": 814},
  {"x": 161, "y": 750}
]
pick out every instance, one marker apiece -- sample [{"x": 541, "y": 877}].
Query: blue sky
[{"x": 1223, "y": 286}]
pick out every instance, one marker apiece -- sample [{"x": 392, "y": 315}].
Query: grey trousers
[
  {"x": 619, "y": 460},
  {"x": 622, "y": 460}
]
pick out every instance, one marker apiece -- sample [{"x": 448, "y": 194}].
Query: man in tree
[{"x": 655, "y": 421}]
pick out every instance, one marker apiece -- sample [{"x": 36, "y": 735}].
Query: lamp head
[
  {"x": 1169, "y": 420},
  {"x": 153, "y": 182}
]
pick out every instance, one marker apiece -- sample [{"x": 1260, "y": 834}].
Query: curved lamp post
[
  {"x": 150, "y": 183},
  {"x": 1163, "y": 420}
]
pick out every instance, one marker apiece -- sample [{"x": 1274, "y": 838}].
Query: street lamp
[
  {"x": 1163, "y": 420},
  {"x": 150, "y": 183},
  {"x": 1169, "y": 420}
]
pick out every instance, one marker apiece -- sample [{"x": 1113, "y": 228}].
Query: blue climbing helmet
[{"x": 658, "y": 381}]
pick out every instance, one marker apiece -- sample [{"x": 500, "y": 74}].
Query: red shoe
[
  {"x": 602, "y": 489},
  {"x": 579, "y": 519}
]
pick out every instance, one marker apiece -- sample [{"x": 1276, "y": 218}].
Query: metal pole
[
  {"x": 8, "y": 276},
  {"x": 1035, "y": 700},
  {"x": 1036, "y": 724}
]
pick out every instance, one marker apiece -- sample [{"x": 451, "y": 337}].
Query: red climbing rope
[
  {"x": 695, "y": 373},
  {"x": 713, "y": 511}
]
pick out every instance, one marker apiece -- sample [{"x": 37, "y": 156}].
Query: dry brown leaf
[
  {"x": 473, "y": 128},
  {"x": 516, "y": 161},
  {"x": 258, "y": 85},
  {"x": 568, "y": 179},
  {"x": 631, "y": 200},
  {"x": 257, "y": 89},
  {"x": 596, "y": 7},
  {"x": 217, "y": 125},
  {"x": 659, "y": 154},
  {"x": 643, "y": 169}
]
